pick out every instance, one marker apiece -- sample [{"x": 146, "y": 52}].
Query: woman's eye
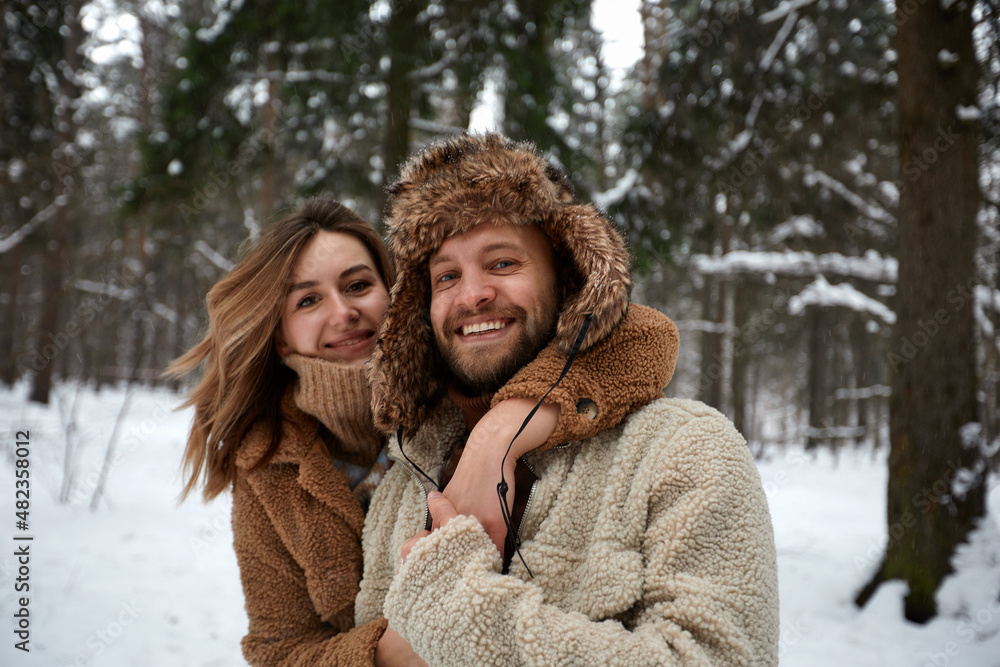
[
  {"x": 305, "y": 302},
  {"x": 358, "y": 286},
  {"x": 445, "y": 277}
]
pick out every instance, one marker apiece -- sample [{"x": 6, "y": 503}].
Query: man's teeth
[{"x": 481, "y": 327}]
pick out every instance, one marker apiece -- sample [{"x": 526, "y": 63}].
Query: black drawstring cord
[
  {"x": 399, "y": 441},
  {"x": 512, "y": 536}
]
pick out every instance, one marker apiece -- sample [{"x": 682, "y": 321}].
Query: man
[{"x": 647, "y": 544}]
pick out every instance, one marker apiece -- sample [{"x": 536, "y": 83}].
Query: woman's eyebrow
[
  {"x": 355, "y": 269},
  {"x": 302, "y": 285}
]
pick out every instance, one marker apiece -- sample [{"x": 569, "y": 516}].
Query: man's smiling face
[{"x": 494, "y": 302}]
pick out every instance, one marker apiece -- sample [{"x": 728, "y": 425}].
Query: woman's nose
[{"x": 341, "y": 310}]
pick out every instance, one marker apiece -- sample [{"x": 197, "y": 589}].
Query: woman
[{"x": 282, "y": 417}]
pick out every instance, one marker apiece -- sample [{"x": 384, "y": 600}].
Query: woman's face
[{"x": 334, "y": 301}]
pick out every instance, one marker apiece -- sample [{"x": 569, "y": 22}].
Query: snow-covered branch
[
  {"x": 295, "y": 76},
  {"x": 617, "y": 192},
  {"x": 115, "y": 292},
  {"x": 434, "y": 128},
  {"x": 214, "y": 257},
  {"x": 12, "y": 240},
  {"x": 706, "y": 326},
  {"x": 783, "y": 9},
  {"x": 872, "y": 211},
  {"x": 823, "y": 294},
  {"x": 779, "y": 40},
  {"x": 872, "y": 266}
]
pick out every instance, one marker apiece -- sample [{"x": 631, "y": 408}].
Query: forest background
[{"x": 810, "y": 187}]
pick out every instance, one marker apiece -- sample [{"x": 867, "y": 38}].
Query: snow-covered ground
[{"x": 145, "y": 581}]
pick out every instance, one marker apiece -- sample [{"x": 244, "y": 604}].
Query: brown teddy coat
[{"x": 297, "y": 525}]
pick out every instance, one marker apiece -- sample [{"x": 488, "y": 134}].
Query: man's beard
[{"x": 484, "y": 372}]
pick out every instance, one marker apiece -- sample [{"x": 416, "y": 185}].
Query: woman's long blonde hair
[{"x": 243, "y": 378}]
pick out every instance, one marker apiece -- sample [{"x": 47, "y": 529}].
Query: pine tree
[{"x": 936, "y": 468}]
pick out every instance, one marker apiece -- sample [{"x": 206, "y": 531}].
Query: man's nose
[{"x": 475, "y": 291}]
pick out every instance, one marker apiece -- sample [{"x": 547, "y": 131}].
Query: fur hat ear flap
[
  {"x": 602, "y": 264},
  {"x": 406, "y": 371}
]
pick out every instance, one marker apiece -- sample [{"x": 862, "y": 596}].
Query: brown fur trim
[{"x": 449, "y": 188}]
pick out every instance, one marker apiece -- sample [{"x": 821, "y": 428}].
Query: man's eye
[
  {"x": 503, "y": 264},
  {"x": 445, "y": 277}
]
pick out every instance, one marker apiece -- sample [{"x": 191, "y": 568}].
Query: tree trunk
[
  {"x": 9, "y": 371},
  {"x": 49, "y": 341},
  {"x": 400, "y": 86},
  {"x": 741, "y": 361},
  {"x": 710, "y": 385},
  {"x": 819, "y": 335},
  {"x": 936, "y": 486},
  {"x": 862, "y": 379}
]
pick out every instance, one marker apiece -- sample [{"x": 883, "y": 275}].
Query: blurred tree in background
[{"x": 757, "y": 156}]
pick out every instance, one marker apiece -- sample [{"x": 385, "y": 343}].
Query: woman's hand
[
  {"x": 473, "y": 487},
  {"x": 394, "y": 651},
  {"x": 441, "y": 510}
]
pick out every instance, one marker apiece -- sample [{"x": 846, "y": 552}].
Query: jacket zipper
[
  {"x": 420, "y": 483},
  {"x": 527, "y": 505}
]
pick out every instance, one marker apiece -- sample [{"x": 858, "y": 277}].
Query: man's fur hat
[{"x": 447, "y": 189}]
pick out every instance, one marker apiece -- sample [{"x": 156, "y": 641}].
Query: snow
[
  {"x": 871, "y": 266},
  {"x": 821, "y": 293},
  {"x": 801, "y": 226},
  {"x": 968, "y": 114},
  {"x": 947, "y": 58},
  {"x": 147, "y": 581},
  {"x": 869, "y": 210},
  {"x": 222, "y": 19},
  {"x": 618, "y": 192}
]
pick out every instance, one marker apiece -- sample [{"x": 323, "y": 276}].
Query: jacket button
[{"x": 587, "y": 408}]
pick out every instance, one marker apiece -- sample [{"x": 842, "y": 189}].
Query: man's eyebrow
[
  {"x": 491, "y": 247},
  {"x": 439, "y": 259},
  {"x": 500, "y": 245}
]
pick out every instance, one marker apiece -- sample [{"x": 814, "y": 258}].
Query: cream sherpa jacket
[{"x": 650, "y": 545}]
